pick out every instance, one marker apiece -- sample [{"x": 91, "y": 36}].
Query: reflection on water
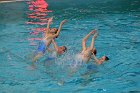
[
  {"x": 37, "y": 15},
  {"x": 38, "y": 12}
]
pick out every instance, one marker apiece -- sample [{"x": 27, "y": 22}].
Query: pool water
[{"x": 22, "y": 25}]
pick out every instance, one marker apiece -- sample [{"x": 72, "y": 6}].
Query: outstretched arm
[
  {"x": 92, "y": 42},
  {"x": 59, "y": 29},
  {"x": 85, "y": 39},
  {"x": 48, "y": 25},
  {"x": 55, "y": 45}
]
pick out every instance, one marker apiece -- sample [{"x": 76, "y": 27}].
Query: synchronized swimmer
[
  {"x": 88, "y": 52},
  {"x": 50, "y": 34},
  {"x": 85, "y": 55}
]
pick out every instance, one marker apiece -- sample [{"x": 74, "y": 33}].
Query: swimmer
[
  {"x": 87, "y": 52},
  {"x": 47, "y": 39},
  {"x": 51, "y": 33},
  {"x": 101, "y": 60},
  {"x": 59, "y": 50}
]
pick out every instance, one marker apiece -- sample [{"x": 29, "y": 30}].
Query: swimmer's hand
[
  {"x": 64, "y": 21},
  {"x": 95, "y": 35},
  {"x": 93, "y": 31},
  {"x": 50, "y": 19}
]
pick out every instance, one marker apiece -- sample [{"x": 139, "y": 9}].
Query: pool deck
[{"x": 6, "y": 1}]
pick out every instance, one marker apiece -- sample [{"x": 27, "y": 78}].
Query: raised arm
[
  {"x": 48, "y": 25},
  {"x": 85, "y": 39},
  {"x": 59, "y": 29},
  {"x": 55, "y": 45},
  {"x": 92, "y": 42}
]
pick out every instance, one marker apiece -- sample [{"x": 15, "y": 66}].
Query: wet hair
[
  {"x": 56, "y": 37},
  {"x": 65, "y": 48},
  {"x": 94, "y": 51},
  {"x": 106, "y": 58},
  {"x": 56, "y": 30}
]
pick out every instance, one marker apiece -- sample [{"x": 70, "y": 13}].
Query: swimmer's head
[
  {"x": 94, "y": 51},
  {"x": 54, "y": 30},
  {"x": 104, "y": 58},
  {"x": 62, "y": 49}
]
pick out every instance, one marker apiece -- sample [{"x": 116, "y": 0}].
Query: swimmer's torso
[
  {"x": 47, "y": 39},
  {"x": 85, "y": 55}
]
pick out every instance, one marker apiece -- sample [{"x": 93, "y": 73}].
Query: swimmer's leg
[
  {"x": 36, "y": 57},
  {"x": 40, "y": 51}
]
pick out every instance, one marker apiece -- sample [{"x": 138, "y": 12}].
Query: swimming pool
[{"x": 118, "y": 23}]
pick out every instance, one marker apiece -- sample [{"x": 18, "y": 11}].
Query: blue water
[{"x": 118, "y": 24}]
